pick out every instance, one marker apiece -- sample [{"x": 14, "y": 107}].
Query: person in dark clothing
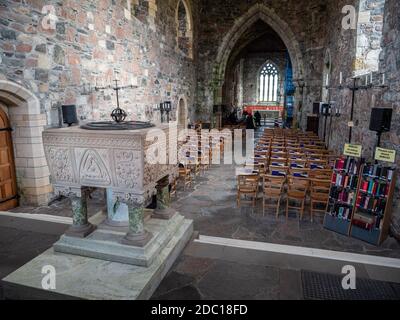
[
  {"x": 249, "y": 122},
  {"x": 233, "y": 118},
  {"x": 257, "y": 116}
]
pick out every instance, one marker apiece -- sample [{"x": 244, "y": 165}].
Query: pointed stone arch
[
  {"x": 255, "y": 13},
  {"x": 28, "y": 123}
]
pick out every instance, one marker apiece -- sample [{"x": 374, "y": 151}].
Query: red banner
[{"x": 253, "y": 109}]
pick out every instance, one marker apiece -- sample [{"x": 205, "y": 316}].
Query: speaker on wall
[
  {"x": 316, "y": 107},
  {"x": 381, "y": 119},
  {"x": 325, "y": 109},
  {"x": 69, "y": 114}
]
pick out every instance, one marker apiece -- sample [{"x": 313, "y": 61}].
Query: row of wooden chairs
[
  {"x": 193, "y": 167},
  {"x": 289, "y": 163},
  {"x": 274, "y": 188}
]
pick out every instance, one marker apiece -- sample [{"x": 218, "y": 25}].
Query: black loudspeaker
[
  {"x": 381, "y": 120},
  {"x": 316, "y": 108},
  {"x": 325, "y": 109},
  {"x": 69, "y": 114}
]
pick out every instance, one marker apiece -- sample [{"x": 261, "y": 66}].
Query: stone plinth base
[
  {"x": 109, "y": 243},
  {"x": 80, "y": 277}
]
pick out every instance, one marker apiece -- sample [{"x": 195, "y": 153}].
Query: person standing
[
  {"x": 257, "y": 116},
  {"x": 250, "y": 122}
]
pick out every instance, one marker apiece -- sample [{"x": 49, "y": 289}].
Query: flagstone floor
[{"x": 211, "y": 203}]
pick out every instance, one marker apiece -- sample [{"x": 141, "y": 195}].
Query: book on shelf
[
  {"x": 344, "y": 184},
  {"x": 349, "y": 165},
  {"x": 344, "y": 180},
  {"x": 340, "y": 211},
  {"x": 373, "y": 196},
  {"x": 377, "y": 171},
  {"x": 371, "y": 204}
]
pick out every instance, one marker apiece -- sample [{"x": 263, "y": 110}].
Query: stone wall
[
  {"x": 59, "y": 50},
  {"x": 91, "y": 40},
  {"x": 369, "y": 35},
  {"x": 251, "y": 69},
  {"x": 342, "y": 47},
  {"x": 303, "y": 23},
  {"x": 250, "y": 85}
]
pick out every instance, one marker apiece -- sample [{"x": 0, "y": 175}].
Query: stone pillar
[
  {"x": 81, "y": 227},
  {"x": 137, "y": 236},
  {"x": 163, "y": 210}
]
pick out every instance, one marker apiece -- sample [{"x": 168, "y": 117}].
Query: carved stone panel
[
  {"x": 128, "y": 169},
  {"x": 93, "y": 167},
  {"x": 60, "y": 164}
]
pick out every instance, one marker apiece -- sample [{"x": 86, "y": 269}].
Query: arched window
[
  {"x": 184, "y": 26},
  {"x": 269, "y": 83}
]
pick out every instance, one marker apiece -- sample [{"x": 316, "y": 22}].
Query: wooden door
[{"x": 8, "y": 184}]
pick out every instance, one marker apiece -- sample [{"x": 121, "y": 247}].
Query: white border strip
[
  {"x": 301, "y": 251},
  {"x": 38, "y": 217},
  {"x": 95, "y": 219}
]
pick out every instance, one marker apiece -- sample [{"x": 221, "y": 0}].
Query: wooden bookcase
[
  {"x": 342, "y": 195},
  {"x": 374, "y": 204}
]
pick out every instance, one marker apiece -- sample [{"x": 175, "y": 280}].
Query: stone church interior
[{"x": 200, "y": 150}]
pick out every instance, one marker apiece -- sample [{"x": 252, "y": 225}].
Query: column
[
  {"x": 163, "y": 210},
  {"x": 137, "y": 236},
  {"x": 81, "y": 227}
]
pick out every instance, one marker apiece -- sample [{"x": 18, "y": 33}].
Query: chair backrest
[
  {"x": 298, "y": 184},
  {"x": 320, "y": 186},
  {"x": 321, "y": 174},
  {"x": 248, "y": 181},
  {"x": 273, "y": 183},
  {"x": 278, "y": 162}
]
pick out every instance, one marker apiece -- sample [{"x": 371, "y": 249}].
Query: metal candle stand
[
  {"x": 118, "y": 115},
  {"x": 354, "y": 87},
  {"x": 165, "y": 107}
]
